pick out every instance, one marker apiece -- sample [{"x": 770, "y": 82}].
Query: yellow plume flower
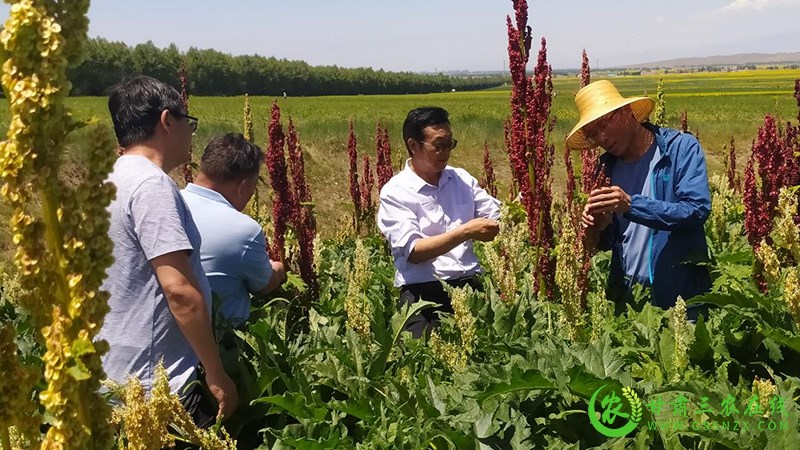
[
  {"x": 62, "y": 249},
  {"x": 791, "y": 293},
  {"x": 356, "y": 305},
  {"x": 769, "y": 259}
]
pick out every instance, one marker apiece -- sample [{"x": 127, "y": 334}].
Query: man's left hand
[{"x": 608, "y": 199}]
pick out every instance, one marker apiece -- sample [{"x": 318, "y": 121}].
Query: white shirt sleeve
[
  {"x": 486, "y": 206},
  {"x": 399, "y": 224}
]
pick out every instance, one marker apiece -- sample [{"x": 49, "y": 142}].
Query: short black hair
[
  {"x": 231, "y": 157},
  {"x": 419, "y": 118},
  {"x": 136, "y": 105}
]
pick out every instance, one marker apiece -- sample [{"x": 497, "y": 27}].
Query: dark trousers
[
  {"x": 432, "y": 291},
  {"x": 201, "y": 406}
]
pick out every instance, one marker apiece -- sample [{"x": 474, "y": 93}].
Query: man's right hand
[
  {"x": 224, "y": 391},
  {"x": 598, "y": 222},
  {"x": 481, "y": 229}
]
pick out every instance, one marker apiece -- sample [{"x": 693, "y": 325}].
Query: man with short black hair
[
  {"x": 160, "y": 301},
  {"x": 430, "y": 213},
  {"x": 233, "y": 253}
]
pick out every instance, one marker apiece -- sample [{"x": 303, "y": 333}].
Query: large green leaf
[
  {"x": 294, "y": 404},
  {"x": 399, "y": 320}
]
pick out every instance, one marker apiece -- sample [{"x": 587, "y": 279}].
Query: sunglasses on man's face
[
  {"x": 191, "y": 120},
  {"x": 593, "y": 128},
  {"x": 442, "y": 146}
]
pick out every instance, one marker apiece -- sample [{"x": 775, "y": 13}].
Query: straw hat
[{"x": 598, "y": 99}]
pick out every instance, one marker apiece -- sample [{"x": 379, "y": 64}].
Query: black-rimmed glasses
[{"x": 191, "y": 120}]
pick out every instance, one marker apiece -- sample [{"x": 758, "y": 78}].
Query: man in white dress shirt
[{"x": 430, "y": 213}]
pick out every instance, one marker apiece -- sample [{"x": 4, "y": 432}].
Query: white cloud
[{"x": 741, "y": 5}]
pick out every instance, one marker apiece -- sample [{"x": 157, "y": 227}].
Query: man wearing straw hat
[{"x": 652, "y": 215}]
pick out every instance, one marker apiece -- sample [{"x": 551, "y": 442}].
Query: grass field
[{"x": 719, "y": 105}]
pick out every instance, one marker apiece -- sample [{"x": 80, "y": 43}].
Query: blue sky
[{"x": 428, "y": 35}]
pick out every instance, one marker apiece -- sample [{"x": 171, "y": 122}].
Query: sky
[{"x": 444, "y": 35}]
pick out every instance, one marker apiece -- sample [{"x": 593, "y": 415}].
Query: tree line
[{"x": 214, "y": 73}]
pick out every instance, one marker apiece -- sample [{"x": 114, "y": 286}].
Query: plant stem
[{"x": 5, "y": 440}]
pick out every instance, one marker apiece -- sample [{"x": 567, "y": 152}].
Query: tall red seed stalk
[
  {"x": 383, "y": 161},
  {"x": 187, "y": 166},
  {"x": 527, "y": 133},
  {"x": 586, "y": 75},
  {"x": 304, "y": 221},
  {"x": 283, "y": 201},
  {"x": 590, "y": 157},
  {"x": 367, "y": 184},
  {"x": 684, "y": 121},
  {"x": 489, "y": 182},
  {"x": 772, "y": 165},
  {"x": 797, "y": 97},
  {"x": 355, "y": 194}
]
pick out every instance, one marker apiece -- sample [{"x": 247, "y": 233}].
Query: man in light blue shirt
[{"x": 233, "y": 251}]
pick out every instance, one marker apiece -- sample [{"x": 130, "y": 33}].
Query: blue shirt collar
[{"x": 207, "y": 193}]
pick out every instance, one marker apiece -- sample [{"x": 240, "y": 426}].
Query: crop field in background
[{"x": 718, "y": 104}]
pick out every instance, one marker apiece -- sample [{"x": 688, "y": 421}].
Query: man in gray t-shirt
[
  {"x": 148, "y": 219},
  {"x": 160, "y": 300}
]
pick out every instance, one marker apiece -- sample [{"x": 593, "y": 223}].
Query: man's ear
[
  {"x": 412, "y": 145},
  {"x": 165, "y": 119}
]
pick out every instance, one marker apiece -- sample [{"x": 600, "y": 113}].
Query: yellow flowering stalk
[
  {"x": 791, "y": 293},
  {"x": 356, "y": 305},
  {"x": 769, "y": 259},
  {"x": 506, "y": 255},
  {"x": 254, "y": 207},
  {"x": 145, "y": 422},
  {"x": 59, "y": 230},
  {"x": 248, "y": 119},
  {"x": 787, "y": 233},
  {"x": 569, "y": 267},
  {"x": 465, "y": 321},
  {"x": 16, "y": 386},
  {"x": 765, "y": 390},
  {"x": 682, "y": 335},
  {"x": 724, "y": 204},
  {"x": 317, "y": 256},
  {"x": 600, "y": 310},
  {"x": 448, "y": 353}
]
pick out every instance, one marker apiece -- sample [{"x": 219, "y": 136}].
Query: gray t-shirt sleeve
[
  {"x": 158, "y": 214},
  {"x": 256, "y": 266}
]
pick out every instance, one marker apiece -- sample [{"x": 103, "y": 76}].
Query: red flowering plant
[
  {"x": 187, "y": 166},
  {"x": 529, "y": 150}
]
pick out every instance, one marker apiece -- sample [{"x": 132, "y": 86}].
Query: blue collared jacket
[{"x": 675, "y": 214}]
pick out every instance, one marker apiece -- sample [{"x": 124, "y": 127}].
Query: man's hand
[
  {"x": 607, "y": 200},
  {"x": 481, "y": 229},
  {"x": 224, "y": 391},
  {"x": 598, "y": 222}
]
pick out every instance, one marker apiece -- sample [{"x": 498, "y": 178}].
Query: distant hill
[{"x": 723, "y": 60}]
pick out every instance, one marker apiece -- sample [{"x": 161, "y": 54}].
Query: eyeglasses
[
  {"x": 442, "y": 146},
  {"x": 191, "y": 120},
  {"x": 593, "y": 128}
]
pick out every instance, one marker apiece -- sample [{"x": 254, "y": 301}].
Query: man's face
[
  {"x": 181, "y": 137},
  {"x": 432, "y": 153},
  {"x": 613, "y": 131}
]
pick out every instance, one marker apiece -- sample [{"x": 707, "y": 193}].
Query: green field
[{"x": 719, "y": 105}]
